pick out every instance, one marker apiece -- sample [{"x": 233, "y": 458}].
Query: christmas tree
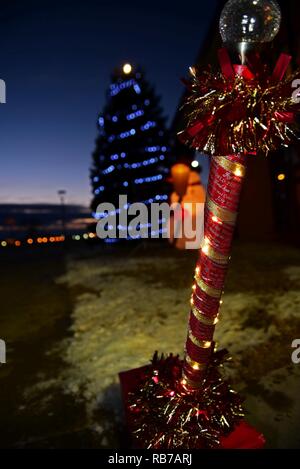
[{"x": 132, "y": 149}]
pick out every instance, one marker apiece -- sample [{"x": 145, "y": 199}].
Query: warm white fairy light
[{"x": 238, "y": 172}]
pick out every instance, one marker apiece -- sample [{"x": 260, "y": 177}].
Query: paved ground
[
  {"x": 74, "y": 319},
  {"x": 35, "y": 317}
]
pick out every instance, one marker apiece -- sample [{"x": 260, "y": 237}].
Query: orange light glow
[{"x": 29, "y": 241}]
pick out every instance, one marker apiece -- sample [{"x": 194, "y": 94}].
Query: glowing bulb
[
  {"x": 205, "y": 248},
  {"x": 281, "y": 177},
  {"x": 17, "y": 243},
  {"x": 216, "y": 220},
  {"x": 194, "y": 287},
  {"x": 3, "y": 244},
  {"x": 195, "y": 366},
  {"x": 29, "y": 241},
  {"x": 195, "y": 164},
  {"x": 127, "y": 68},
  {"x": 243, "y": 21},
  {"x": 238, "y": 172}
]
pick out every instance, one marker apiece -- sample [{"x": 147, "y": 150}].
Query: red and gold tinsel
[
  {"x": 163, "y": 414},
  {"x": 240, "y": 109}
]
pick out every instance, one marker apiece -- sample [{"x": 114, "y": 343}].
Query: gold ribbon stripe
[
  {"x": 215, "y": 256},
  {"x": 204, "y": 319},
  {"x": 199, "y": 343},
  {"x": 193, "y": 364},
  {"x": 191, "y": 383},
  {"x": 214, "y": 292},
  {"x": 235, "y": 168},
  {"x": 225, "y": 215}
]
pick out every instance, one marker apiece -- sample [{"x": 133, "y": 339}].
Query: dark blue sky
[{"x": 56, "y": 58}]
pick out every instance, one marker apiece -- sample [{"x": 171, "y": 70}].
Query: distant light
[
  {"x": 281, "y": 177},
  {"x": 125, "y": 184},
  {"x": 85, "y": 236},
  {"x": 17, "y": 243},
  {"x": 29, "y": 241},
  {"x": 77, "y": 237},
  {"x": 127, "y": 68},
  {"x": 195, "y": 164},
  {"x": 92, "y": 235},
  {"x": 3, "y": 244}
]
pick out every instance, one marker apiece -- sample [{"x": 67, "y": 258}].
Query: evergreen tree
[{"x": 132, "y": 149}]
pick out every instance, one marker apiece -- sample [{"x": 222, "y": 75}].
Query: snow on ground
[{"x": 126, "y": 307}]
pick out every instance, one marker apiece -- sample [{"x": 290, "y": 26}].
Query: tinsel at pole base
[{"x": 160, "y": 414}]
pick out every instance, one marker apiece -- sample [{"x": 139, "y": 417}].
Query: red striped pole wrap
[{"x": 223, "y": 194}]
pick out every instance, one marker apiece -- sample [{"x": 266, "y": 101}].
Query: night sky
[{"x": 56, "y": 58}]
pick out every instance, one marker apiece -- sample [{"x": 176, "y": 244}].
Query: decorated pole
[
  {"x": 222, "y": 120},
  {"x": 231, "y": 115},
  {"x": 225, "y": 183}
]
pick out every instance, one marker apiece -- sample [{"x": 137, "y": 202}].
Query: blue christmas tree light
[{"x": 132, "y": 154}]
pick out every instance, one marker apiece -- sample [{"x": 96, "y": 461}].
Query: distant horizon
[{"x": 52, "y": 204}]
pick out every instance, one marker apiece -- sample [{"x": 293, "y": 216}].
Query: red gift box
[{"x": 243, "y": 437}]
